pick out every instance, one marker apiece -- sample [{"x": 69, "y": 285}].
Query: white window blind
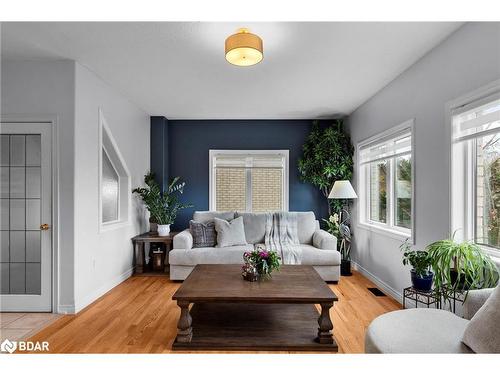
[
  {"x": 478, "y": 121},
  {"x": 253, "y": 181},
  {"x": 249, "y": 161},
  {"x": 396, "y": 145}
]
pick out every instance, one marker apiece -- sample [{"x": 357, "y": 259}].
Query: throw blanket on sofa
[{"x": 282, "y": 237}]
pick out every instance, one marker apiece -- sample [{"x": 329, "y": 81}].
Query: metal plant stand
[{"x": 429, "y": 298}]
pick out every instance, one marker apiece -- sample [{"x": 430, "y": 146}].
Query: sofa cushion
[
  {"x": 416, "y": 331},
  {"x": 204, "y": 234},
  {"x": 208, "y": 255},
  {"x": 483, "y": 332},
  {"x": 255, "y": 226},
  {"x": 230, "y": 233},
  {"x": 312, "y": 256},
  {"x": 306, "y": 225},
  {"x": 206, "y": 216}
]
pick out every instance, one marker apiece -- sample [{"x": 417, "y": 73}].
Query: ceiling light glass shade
[
  {"x": 244, "y": 48},
  {"x": 342, "y": 189}
]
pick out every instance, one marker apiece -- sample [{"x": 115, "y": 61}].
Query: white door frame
[{"x": 53, "y": 121}]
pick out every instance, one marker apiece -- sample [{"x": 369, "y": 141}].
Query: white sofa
[{"x": 318, "y": 246}]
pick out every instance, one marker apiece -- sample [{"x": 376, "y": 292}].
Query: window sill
[
  {"x": 113, "y": 226},
  {"x": 392, "y": 233}
]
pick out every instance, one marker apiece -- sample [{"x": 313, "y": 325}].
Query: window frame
[
  {"x": 461, "y": 224},
  {"x": 108, "y": 144},
  {"x": 212, "y": 181},
  {"x": 363, "y": 178}
]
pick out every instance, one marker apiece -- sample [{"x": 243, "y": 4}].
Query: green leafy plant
[
  {"x": 327, "y": 157},
  {"x": 418, "y": 259},
  {"x": 473, "y": 269},
  {"x": 263, "y": 260},
  {"x": 163, "y": 206},
  {"x": 332, "y": 225}
]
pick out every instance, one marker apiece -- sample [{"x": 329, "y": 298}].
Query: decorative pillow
[
  {"x": 203, "y": 234},
  {"x": 230, "y": 233},
  {"x": 483, "y": 331}
]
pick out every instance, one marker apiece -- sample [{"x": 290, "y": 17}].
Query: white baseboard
[
  {"x": 88, "y": 299},
  {"x": 65, "y": 309},
  {"x": 381, "y": 284}
]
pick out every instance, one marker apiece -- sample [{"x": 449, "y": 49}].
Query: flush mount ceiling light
[{"x": 244, "y": 48}]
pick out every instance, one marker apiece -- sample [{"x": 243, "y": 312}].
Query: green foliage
[
  {"x": 476, "y": 270},
  {"x": 419, "y": 260},
  {"x": 162, "y": 206},
  {"x": 327, "y": 157},
  {"x": 264, "y": 261},
  {"x": 333, "y": 225}
]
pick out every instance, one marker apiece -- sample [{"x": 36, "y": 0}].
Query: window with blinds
[
  {"x": 476, "y": 171},
  {"x": 251, "y": 181},
  {"x": 386, "y": 180}
]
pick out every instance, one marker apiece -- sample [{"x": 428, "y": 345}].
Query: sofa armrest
[
  {"x": 475, "y": 299},
  {"x": 324, "y": 240},
  {"x": 183, "y": 240}
]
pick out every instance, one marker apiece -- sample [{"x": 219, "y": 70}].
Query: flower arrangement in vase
[{"x": 259, "y": 263}]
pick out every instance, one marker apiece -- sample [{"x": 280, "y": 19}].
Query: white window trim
[
  {"x": 389, "y": 230},
  {"x": 211, "y": 179},
  {"x": 465, "y": 101},
  {"x": 123, "y": 217}
]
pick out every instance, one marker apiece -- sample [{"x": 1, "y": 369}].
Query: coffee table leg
[
  {"x": 325, "y": 325},
  {"x": 184, "y": 329}
]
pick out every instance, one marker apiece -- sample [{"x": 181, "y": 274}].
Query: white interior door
[{"x": 26, "y": 217}]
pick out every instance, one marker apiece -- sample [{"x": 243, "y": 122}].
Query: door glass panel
[
  {"x": 17, "y": 151},
  {"x": 4, "y": 182},
  {"x": 17, "y": 182},
  {"x": 33, "y": 150},
  {"x": 33, "y": 178},
  {"x": 17, "y": 214},
  {"x": 17, "y": 278},
  {"x": 4, "y": 150},
  {"x": 20, "y": 199},
  {"x": 32, "y": 246},
  {"x": 17, "y": 246},
  {"x": 4, "y": 278}
]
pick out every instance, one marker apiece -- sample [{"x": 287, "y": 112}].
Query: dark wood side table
[{"x": 139, "y": 242}]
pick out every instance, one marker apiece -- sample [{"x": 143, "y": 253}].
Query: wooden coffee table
[{"x": 279, "y": 313}]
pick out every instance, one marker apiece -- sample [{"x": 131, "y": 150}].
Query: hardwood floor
[{"x": 139, "y": 316}]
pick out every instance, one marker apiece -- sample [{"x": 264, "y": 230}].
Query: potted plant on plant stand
[
  {"x": 461, "y": 266},
  {"x": 162, "y": 206},
  {"x": 421, "y": 274}
]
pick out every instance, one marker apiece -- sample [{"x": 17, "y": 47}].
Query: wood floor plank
[{"x": 139, "y": 316}]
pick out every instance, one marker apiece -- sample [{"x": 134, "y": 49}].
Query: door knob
[{"x": 44, "y": 227}]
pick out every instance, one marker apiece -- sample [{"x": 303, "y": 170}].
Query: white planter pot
[{"x": 163, "y": 230}]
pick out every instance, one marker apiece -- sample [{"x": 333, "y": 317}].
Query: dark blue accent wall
[
  {"x": 189, "y": 142},
  {"x": 159, "y": 150}
]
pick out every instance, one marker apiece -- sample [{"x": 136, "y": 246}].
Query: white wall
[
  {"x": 104, "y": 259},
  {"x": 467, "y": 60},
  {"x": 91, "y": 263},
  {"x": 39, "y": 89}
]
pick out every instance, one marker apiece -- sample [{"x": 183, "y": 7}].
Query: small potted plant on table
[
  {"x": 162, "y": 206},
  {"x": 421, "y": 274}
]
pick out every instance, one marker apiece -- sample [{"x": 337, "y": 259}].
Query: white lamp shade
[{"x": 342, "y": 189}]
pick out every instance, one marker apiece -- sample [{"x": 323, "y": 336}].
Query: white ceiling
[{"x": 177, "y": 69}]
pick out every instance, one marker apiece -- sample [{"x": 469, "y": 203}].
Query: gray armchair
[{"x": 423, "y": 330}]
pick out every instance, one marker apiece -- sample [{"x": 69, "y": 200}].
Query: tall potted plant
[
  {"x": 162, "y": 206},
  {"x": 327, "y": 157},
  {"x": 461, "y": 266}
]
